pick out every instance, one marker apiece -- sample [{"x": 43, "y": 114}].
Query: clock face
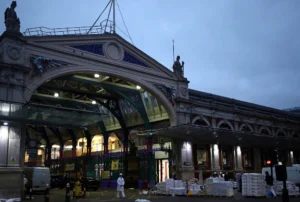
[{"x": 32, "y": 143}]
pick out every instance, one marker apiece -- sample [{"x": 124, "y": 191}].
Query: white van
[
  {"x": 293, "y": 173},
  {"x": 38, "y": 177}
]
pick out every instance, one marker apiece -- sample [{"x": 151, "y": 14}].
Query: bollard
[
  {"x": 84, "y": 192},
  {"x": 68, "y": 197},
  {"x": 30, "y": 193},
  {"x": 74, "y": 193},
  {"x": 46, "y": 195}
]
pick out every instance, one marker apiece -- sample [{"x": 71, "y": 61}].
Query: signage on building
[
  {"x": 70, "y": 167},
  {"x": 105, "y": 175},
  {"x": 115, "y": 165}
]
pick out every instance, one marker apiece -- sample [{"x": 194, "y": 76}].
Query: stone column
[
  {"x": 183, "y": 160},
  {"x": 12, "y": 135},
  {"x": 12, "y": 151},
  {"x": 291, "y": 158},
  {"x": 215, "y": 157},
  {"x": 237, "y": 157}
]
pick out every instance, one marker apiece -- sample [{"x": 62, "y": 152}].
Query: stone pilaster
[
  {"x": 215, "y": 157},
  {"x": 237, "y": 157},
  {"x": 12, "y": 148},
  {"x": 183, "y": 160}
]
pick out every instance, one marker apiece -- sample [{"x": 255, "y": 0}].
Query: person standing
[
  {"x": 269, "y": 180},
  {"x": 120, "y": 187}
]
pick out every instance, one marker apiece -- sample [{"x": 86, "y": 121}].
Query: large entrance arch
[
  {"x": 35, "y": 63},
  {"x": 52, "y": 56}
]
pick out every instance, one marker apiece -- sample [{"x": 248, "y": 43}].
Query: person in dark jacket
[
  {"x": 270, "y": 181},
  {"x": 226, "y": 177}
]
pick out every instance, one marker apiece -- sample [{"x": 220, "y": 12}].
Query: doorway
[{"x": 162, "y": 170}]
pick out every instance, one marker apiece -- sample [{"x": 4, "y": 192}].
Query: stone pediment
[{"x": 105, "y": 48}]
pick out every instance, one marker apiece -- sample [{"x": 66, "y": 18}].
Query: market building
[{"x": 95, "y": 105}]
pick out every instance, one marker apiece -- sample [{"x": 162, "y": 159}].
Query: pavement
[{"x": 109, "y": 195}]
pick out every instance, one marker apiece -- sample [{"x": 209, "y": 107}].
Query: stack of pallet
[
  {"x": 291, "y": 187},
  {"x": 253, "y": 185},
  {"x": 218, "y": 187}
]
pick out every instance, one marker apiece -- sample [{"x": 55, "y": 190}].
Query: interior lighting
[
  {"x": 56, "y": 95},
  {"x": 138, "y": 87},
  {"x": 96, "y": 75},
  {"x": 5, "y": 123},
  {"x": 93, "y": 102}
]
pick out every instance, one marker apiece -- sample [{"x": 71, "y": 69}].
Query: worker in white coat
[{"x": 120, "y": 187}]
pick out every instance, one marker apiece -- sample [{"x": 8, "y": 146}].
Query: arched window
[
  {"x": 201, "y": 122},
  {"x": 225, "y": 125},
  {"x": 246, "y": 128}
]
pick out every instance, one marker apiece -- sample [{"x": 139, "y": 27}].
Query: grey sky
[{"x": 242, "y": 49}]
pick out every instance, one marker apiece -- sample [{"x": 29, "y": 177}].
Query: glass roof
[{"x": 49, "y": 116}]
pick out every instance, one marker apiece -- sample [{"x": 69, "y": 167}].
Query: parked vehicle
[
  {"x": 293, "y": 173},
  {"x": 38, "y": 178},
  {"x": 90, "y": 183}
]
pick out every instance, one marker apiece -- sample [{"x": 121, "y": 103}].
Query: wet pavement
[{"x": 109, "y": 195}]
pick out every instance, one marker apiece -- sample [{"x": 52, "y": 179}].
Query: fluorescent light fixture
[
  {"x": 5, "y": 123},
  {"x": 94, "y": 102},
  {"x": 138, "y": 87},
  {"x": 56, "y": 95},
  {"x": 96, "y": 75}
]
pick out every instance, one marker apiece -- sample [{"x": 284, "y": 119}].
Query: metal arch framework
[{"x": 132, "y": 95}]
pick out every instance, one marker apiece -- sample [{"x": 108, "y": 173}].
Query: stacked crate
[{"x": 253, "y": 184}]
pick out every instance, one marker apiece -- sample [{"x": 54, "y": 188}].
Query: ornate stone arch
[
  {"x": 280, "y": 130},
  {"x": 226, "y": 122},
  {"x": 201, "y": 118},
  {"x": 106, "y": 69},
  {"x": 246, "y": 125},
  {"x": 265, "y": 128}
]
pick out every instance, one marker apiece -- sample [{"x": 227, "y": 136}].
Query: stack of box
[
  {"x": 218, "y": 187},
  {"x": 291, "y": 187},
  {"x": 222, "y": 188},
  {"x": 161, "y": 188},
  {"x": 178, "y": 189},
  {"x": 253, "y": 184},
  {"x": 194, "y": 188}
]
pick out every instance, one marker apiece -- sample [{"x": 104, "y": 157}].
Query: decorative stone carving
[
  {"x": 113, "y": 51},
  {"x": 43, "y": 64},
  {"x": 13, "y": 53},
  {"x": 12, "y": 22},
  {"x": 169, "y": 92},
  {"x": 183, "y": 91}
]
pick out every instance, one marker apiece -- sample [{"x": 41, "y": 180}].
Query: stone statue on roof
[
  {"x": 178, "y": 68},
  {"x": 12, "y": 21}
]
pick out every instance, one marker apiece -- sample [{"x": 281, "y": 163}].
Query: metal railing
[{"x": 105, "y": 27}]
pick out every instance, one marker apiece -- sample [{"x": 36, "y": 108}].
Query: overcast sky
[{"x": 242, "y": 49}]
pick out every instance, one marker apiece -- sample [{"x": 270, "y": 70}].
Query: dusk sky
[{"x": 242, "y": 49}]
